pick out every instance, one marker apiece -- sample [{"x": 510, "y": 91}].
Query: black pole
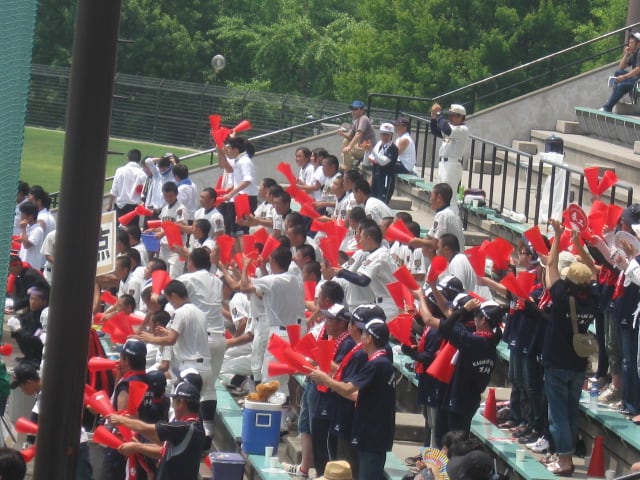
[{"x": 83, "y": 172}]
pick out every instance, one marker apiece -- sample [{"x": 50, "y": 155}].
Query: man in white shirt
[
  {"x": 42, "y": 200},
  {"x": 187, "y": 190},
  {"x": 209, "y": 211},
  {"x": 159, "y": 172},
  {"x": 21, "y": 197},
  {"x": 406, "y": 147},
  {"x": 47, "y": 250},
  {"x": 303, "y": 160},
  {"x": 174, "y": 212},
  {"x": 279, "y": 285},
  {"x": 376, "y": 270},
  {"x": 127, "y": 185},
  {"x": 374, "y": 208},
  {"x": 455, "y": 135},
  {"x": 459, "y": 265},
  {"x": 31, "y": 236}
]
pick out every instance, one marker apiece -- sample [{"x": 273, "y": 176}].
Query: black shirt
[{"x": 184, "y": 465}]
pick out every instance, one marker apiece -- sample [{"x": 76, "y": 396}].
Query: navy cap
[
  {"x": 157, "y": 382},
  {"x": 378, "y": 330},
  {"x": 357, "y": 104},
  {"x": 134, "y": 348},
  {"x": 365, "y": 313},
  {"x": 23, "y": 373},
  {"x": 192, "y": 376},
  {"x": 186, "y": 391},
  {"x": 450, "y": 286}
]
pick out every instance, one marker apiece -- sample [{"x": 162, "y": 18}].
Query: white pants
[
  {"x": 259, "y": 347},
  {"x": 237, "y": 361},
  {"x": 450, "y": 172},
  {"x": 175, "y": 263},
  {"x": 283, "y": 379},
  {"x": 217, "y": 347},
  {"x": 208, "y": 391}
]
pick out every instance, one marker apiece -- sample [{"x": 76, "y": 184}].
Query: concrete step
[
  {"x": 292, "y": 449},
  {"x": 400, "y": 203},
  {"x": 409, "y": 427}
]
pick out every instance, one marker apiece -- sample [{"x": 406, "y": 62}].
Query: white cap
[
  {"x": 387, "y": 128},
  {"x": 636, "y": 35},
  {"x": 457, "y": 108}
]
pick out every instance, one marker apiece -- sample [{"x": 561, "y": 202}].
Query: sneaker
[
  {"x": 293, "y": 469},
  {"x": 610, "y": 395},
  {"x": 531, "y": 437},
  {"x": 539, "y": 446},
  {"x": 411, "y": 461}
]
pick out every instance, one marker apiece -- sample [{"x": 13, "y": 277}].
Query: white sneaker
[
  {"x": 610, "y": 395},
  {"x": 539, "y": 446},
  {"x": 293, "y": 469}
]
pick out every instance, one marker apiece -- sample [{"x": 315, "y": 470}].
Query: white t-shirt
[
  {"x": 49, "y": 221},
  {"x": 306, "y": 174},
  {"x": 240, "y": 308},
  {"x": 125, "y": 181},
  {"x": 264, "y": 211},
  {"x": 453, "y": 146},
  {"x": 48, "y": 248},
  {"x": 205, "y": 292},
  {"x": 408, "y": 156},
  {"x": 132, "y": 285},
  {"x": 283, "y": 297},
  {"x": 319, "y": 178},
  {"x": 447, "y": 221},
  {"x": 144, "y": 256},
  {"x": 379, "y": 267},
  {"x": 188, "y": 196},
  {"x": 32, "y": 255},
  {"x": 376, "y": 209},
  {"x": 244, "y": 170},
  {"x": 460, "y": 267},
  {"x": 190, "y": 324}
]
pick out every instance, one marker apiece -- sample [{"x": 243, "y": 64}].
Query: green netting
[{"x": 16, "y": 38}]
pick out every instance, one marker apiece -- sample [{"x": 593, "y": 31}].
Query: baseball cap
[
  {"x": 337, "y": 311},
  {"x": 457, "y": 108},
  {"x": 157, "y": 382},
  {"x": 23, "y": 373},
  {"x": 134, "y": 348},
  {"x": 357, "y": 104},
  {"x": 475, "y": 465},
  {"x": 450, "y": 286},
  {"x": 492, "y": 312},
  {"x": 461, "y": 299},
  {"x": 386, "y": 128},
  {"x": 631, "y": 214},
  {"x": 402, "y": 121},
  {"x": 192, "y": 376},
  {"x": 577, "y": 273},
  {"x": 337, "y": 470},
  {"x": 378, "y": 330},
  {"x": 365, "y": 313},
  {"x": 186, "y": 391},
  {"x": 636, "y": 35}
]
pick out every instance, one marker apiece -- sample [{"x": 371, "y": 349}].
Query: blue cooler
[
  {"x": 226, "y": 466},
  {"x": 260, "y": 427},
  {"x": 151, "y": 243}
]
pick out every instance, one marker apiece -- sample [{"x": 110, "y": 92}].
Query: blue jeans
[
  {"x": 619, "y": 90},
  {"x": 563, "y": 388},
  {"x": 630, "y": 379},
  {"x": 371, "y": 465}
]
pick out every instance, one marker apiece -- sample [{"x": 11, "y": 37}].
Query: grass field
[{"x": 42, "y": 156}]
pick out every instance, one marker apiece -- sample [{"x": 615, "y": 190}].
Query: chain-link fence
[{"x": 174, "y": 112}]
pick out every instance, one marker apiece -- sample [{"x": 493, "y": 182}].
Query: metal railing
[
  {"x": 523, "y": 171},
  {"x": 511, "y": 83}
]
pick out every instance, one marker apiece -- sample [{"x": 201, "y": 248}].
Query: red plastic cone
[
  {"x": 285, "y": 169},
  {"x": 243, "y": 126},
  {"x": 261, "y": 235},
  {"x": 137, "y": 391},
  {"x": 127, "y": 218},
  {"x": 521, "y": 285},
  {"x": 101, "y": 403},
  {"x": 442, "y": 367},
  {"x": 405, "y": 277},
  {"x": 400, "y": 328},
  {"x": 99, "y": 364},
  {"x": 591, "y": 176},
  {"x": 596, "y": 466},
  {"x": 242, "y": 206},
  {"x": 143, "y": 211},
  {"x": 395, "y": 290},
  {"x": 309, "y": 291},
  {"x": 438, "y": 265},
  {"x": 275, "y": 369},
  {"x": 296, "y": 361},
  {"x": 88, "y": 391},
  {"x": 329, "y": 249},
  {"x": 172, "y": 232},
  {"x": 294, "y": 331},
  {"x": 225, "y": 244},
  {"x": 104, "y": 437},
  {"x": 299, "y": 195},
  {"x": 138, "y": 189},
  {"x": 609, "y": 179},
  {"x": 214, "y": 122},
  {"x": 28, "y": 453},
  {"x": 536, "y": 240},
  {"x": 269, "y": 246},
  {"x": 6, "y": 349},
  {"x": 398, "y": 231},
  {"x": 122, "y": 322},
  {"x": 159, "y": 280},
  {"x": 308, "y": 211},
  {"x": 249, "y": 245},
  {"x": 477, "y": 259},
  {"x": 323, "y": 354},
  {"x": 154, "y": 223},
  {"x": 306, "y": 345},
  {"x": 499, "y": 250},
  {"x": 276, "y": 345},
  {"x": 108, "y": 298},
  {"x": 327, "y": 227},
  {"x": 26, "y": 426},
  {"x": 220, "y": 136},
  {"x": 490, "y": 410},
  {"x": 613, "y": 215}
]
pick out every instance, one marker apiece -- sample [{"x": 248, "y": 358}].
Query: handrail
[{"x": 485, "y": 81}]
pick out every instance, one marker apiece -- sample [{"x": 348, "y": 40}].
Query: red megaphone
[
  {"x": 100, "y": 364},
  {"x": 26, "y": 426},
  {"x": 438, "y": 265},
  {"x": 443, "y": 366},
  {"x": 225, "y": 245},
  {"x": 275, "y": 369},
  {"x": 137, "y": 391},
  {"x": 108, "y": 298},
  {"x": 324, "y": 354},
  {"x": 293, "y": 331},
  {"x": 269, "y": 246},
  {"x": 127, "y": 218},
  {"x": 405, "y": 277},
  {"x": 101, "y": 403},
  {"x": 242, "y": 126},
  {"x": 144, "y": 211},
  {"x": 159, "y": 280},
  {"x": 104, "y": 437},
  {"x": 154, "y": 223},
  {"x": 28, "y": 453}
]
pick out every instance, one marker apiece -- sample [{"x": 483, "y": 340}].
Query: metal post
[{"x": 83, "y": 171}]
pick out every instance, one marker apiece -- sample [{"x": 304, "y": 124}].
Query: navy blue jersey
[
  {"x": 186, "y": 464},
  {"x": 343, "y": 409},
  {"x": 375, "y": 414},
  {"x": 476, "y": 360},
  {"x": 558, "y": 349},
  {"x": 429, "y": 389}
]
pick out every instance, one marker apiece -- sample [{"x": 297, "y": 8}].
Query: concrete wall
[{"x": 539, "y": 110}]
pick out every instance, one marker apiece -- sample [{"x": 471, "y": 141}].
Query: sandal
[
  {"x": 556, "y": 470},
  {"x": 548, "y": 459},
  {"x": 508, "y": 424}
]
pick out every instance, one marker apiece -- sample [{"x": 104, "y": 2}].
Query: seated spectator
[
  {"x": 26, "y": 328},
  {"x": 627, "y": 74}
]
